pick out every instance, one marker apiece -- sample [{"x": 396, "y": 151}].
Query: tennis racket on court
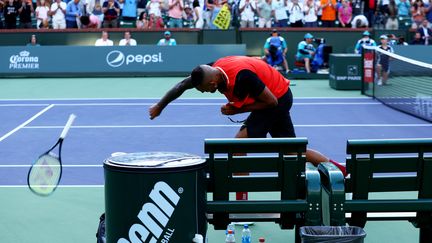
[{"x": 45, "y": 173}]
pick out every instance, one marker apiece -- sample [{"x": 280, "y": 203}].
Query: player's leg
[{"x": 378, "y": 73}]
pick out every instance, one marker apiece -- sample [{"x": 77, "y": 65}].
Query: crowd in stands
[{"x": 160, "y": 14}]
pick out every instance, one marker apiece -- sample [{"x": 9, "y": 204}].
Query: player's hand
[
  {"x": 228, "y": 109},
  {"x": 154, "y": 111}
]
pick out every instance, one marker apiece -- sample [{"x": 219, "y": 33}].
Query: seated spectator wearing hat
[
  {"x": 306, "y": 51},
  {"x": 275, "y": 49},
  {"x": 167, "y": 40},
  {"x": 365, "y": 40}
]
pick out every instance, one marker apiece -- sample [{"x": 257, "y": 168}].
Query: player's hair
[{"x": 197, "y": 76}]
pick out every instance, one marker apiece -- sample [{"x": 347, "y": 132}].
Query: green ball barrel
[{"x": 147, "y": 202}]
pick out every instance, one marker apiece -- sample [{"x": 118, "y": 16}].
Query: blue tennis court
[{"x": 104, "y": 126}]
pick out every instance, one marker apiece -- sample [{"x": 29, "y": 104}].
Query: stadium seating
[
  {"x": 273, "y": 171},
  {"x": 381, "y": 166}
]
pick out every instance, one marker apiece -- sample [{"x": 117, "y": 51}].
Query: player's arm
[
  {"x": 171, "y": 95},
  {"x": 248, "y": 84}
]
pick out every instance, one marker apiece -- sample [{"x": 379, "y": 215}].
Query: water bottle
[
  {"x": 231, "y": 226},
  {"x": 246, "y": 234},
  {"x": 230, "y": 237}
]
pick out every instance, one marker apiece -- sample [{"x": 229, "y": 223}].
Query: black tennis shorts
[{"x": 275, "y": 120}]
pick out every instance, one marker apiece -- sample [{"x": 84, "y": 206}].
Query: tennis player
[{"x": 250, "y": 85}]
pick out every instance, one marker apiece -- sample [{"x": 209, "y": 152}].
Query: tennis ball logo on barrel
[{"x": 153, "y": 214}]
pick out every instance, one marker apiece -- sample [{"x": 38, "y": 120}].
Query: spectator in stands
[
  {"x": 247, "y": 9},
  {"x": 417, "y": 39},
  {"x": 167, "y": 40},
  {"x": 2, "y": 4},
  {"x": 198, "y": 14},
  {"x": 156, "y": 22},
  {"x": 359, "y": 21},
  {"x": 127, "y": 40},
  {"x": 58, "y": 11},
  {"x": 296, "y": 13},
  {"x": 306, "y": 51},
  {"x": 90, "y": 22},
  {"x": 328, "y": 16},
  {"x": 417, "y": 13},
  {"x": 428, "y": 10},
  {"x": 279, "y": 13},
  {"x": 111, "y": 10},
  {"x": 383, "y": 61},
  {"x": 264, "y": 12},
  {"x": 311, "y": 8},
  {"x": 275, "y": 50},
  {"x": 10, "y": 14},
  {"x": 357, "y": 7},
  {"x": 25, "y": 14},
  {"x": 154, "y": 7},
  {"x": 188, "y": 17},
  {"x": 141, "y": 6},
  {"x": 97, "y": 11},
  {"x": 403, "y": 7},
  {"x": 104, "y": 40},
  {"x": 345, "y": 14},
  {"x": 392, "y": 22},
  {"x": 370, "y": 10},
  {"x": 33, "y": 41},
  {"x": 42, "y": 11},
  {"x": 365, "y": 40},
  {"x": 175, "y": 10},
  {"x": 215, "y": 8},
  {"x": 74, "y": 10},
  {"x": 129, "y": 12},
  {"x": 143, "y": 22},
  {"x": 401, "y": 41},
  {"x": 425, "y": 32}
]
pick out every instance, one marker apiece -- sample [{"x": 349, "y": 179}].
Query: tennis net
[{"x": 407, "y": 86}]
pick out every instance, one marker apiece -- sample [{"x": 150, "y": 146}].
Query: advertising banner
[{"x": 145, "y": 60}]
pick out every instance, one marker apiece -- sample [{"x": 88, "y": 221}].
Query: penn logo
[{"x": 154, "y": 215}]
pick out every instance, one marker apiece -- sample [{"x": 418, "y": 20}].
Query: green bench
[
  {"x": 277, "y": 165},
  {"x": 381, "y": 166}
]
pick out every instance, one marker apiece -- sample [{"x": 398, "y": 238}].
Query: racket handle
[{"x": 67, "y": 126}]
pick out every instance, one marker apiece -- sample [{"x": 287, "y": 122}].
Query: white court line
[
  {"x": 233, "y": 125},
  {"x": 26, "y": 122},
  {"x": 181, "y": 104},
  {"x": 157, "y": 98}
]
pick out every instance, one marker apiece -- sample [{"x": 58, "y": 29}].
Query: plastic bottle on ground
[
  {"x": 246, "y": 234},
  {"x": 230, "y": 237}
]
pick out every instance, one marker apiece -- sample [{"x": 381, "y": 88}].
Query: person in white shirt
[
  {"x": 280, "y": 14},
  {"x": 42, "y": 11},
  {"x": 127, "y": 41},
  {"x": 311, "y": 8},
  {"x": 58, "y": 11},
  {"x": 104, "y": 41},
  {"x": 247, "y": 10},
  {"x": 264, "y": 10},
  {"x": 296, "y": 16}
]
